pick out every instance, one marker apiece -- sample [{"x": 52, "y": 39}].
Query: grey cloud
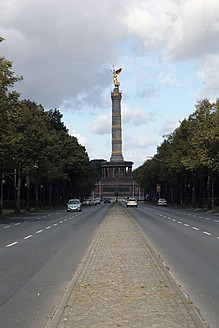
[{"x": 59, "y": 47}]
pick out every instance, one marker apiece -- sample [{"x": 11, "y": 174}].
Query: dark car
[{"x": 106, "y": 200}]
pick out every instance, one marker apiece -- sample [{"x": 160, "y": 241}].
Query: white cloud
[
  {"x": 208, "y": 72},
  {"x": 169, "y": 126},
  {"x": 138, "y": 142},
  {"x": 164, "y": 78},
  {"x": 102, "y": 125},
  {"x": 134, "y": 117}
]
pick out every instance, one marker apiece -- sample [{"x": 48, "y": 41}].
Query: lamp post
[
  {"x": 157, "y": 159},
  {"x": 36, "y": 188},
  {"x": 13, "y": 177},
  {"x": 212, "y": 185}
]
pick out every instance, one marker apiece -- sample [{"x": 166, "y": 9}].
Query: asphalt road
[
  {"x": 188, "y": 243},
  {"x": 39, "y": 254}
]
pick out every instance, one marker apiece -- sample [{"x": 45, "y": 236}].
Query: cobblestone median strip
[{"x": 122, "y": 283}]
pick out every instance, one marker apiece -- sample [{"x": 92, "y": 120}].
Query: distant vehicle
[
  {"x": 161, "y": 202},
  {"x": 131, "y": 202},
  {"x": 106, "y": 200},
  {"x": 86, "y": 202},
  {"x": 74, "y": 205},
  {"x": 92, "y": 202},
  {"x": 97, "y": 200}
]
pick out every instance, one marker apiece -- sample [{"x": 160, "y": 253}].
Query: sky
[{"x": 65, "y": 50}]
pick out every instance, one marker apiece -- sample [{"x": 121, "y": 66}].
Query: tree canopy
[
  {"x": 32, "y": 138},
  {"x": 187, "y": 160}
]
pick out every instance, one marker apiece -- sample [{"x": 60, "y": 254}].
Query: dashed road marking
[
  {"x": 12, "y": 244},
  {"x": 207, "y": 233},
  {"x": 48, "y": 227},
  {"x": 195, "y": 228},
  {"x": 27, "y": 237},
  {"x": 39, "y": 231},
  {"x": 6, "y": 227}
]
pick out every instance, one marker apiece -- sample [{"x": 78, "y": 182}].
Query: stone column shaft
[{"x": 116, "y": 97}]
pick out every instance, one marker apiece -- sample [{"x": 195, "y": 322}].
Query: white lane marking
[
  {"x": 66, "y": 220},
  {"x": 17, "y": 223},
  {"x": 216, "y": 221},
  {"x": 207, "y": 219},
  {"x": 55, "y": 224},
  {"x": 217, "y": 237},
  {"x": 201, "y": 217},
  {"x": 39, "y": 231},
  {"x": 60, "y": 221},
  {"x": 173, "y": 220},
  {"x": 186, "y": 225},
  {"x": 6, "y": 227},
  {"x": 48, "y": 227},
  {"x": 179, "y": 222},
  {"x": 12, "y": 244},
  {"x": 207, "y": 233},
  {"x": 27, "y": 237},
  {"x": 195, "y": 228}
]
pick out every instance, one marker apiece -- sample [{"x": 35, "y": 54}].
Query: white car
[
  {"x": 86, "y": 202},
  {"x": 131, "y": 202},
  {"x": 162, "y": 202}
]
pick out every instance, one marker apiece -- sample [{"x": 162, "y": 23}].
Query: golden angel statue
[{"x": 115, "y": 76}]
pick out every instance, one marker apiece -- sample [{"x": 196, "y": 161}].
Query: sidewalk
[{"x": 122, "y": 283}]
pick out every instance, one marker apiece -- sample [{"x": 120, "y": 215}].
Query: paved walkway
[{"x": 122, "y": 283}]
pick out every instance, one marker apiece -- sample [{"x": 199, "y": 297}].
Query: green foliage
[
  {"x": 185, "y": 160},
  {"x": 31, "y": 138}
]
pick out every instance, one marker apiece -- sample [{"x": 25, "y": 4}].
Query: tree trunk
[{"x": 19, "y": 189}]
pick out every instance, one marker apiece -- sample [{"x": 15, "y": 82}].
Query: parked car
[
  {"x": 74, "y": 205},
  {"x": 131, "y": 202},
  {"x": 97, "y": 200},
  {"x": 86, "y": 202},
  {"x": 161, "y": 202},
  {"x": 106, "y": 200}
]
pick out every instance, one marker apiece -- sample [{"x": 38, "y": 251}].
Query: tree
[{"x": 8, "y": 106}]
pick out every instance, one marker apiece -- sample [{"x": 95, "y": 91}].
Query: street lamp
[
  {"x": 36, "y": 188},
  {"x": 13, "y": 177},
  {"x": 212, "y": 185},
  {"x": 157, "y": 159}
]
